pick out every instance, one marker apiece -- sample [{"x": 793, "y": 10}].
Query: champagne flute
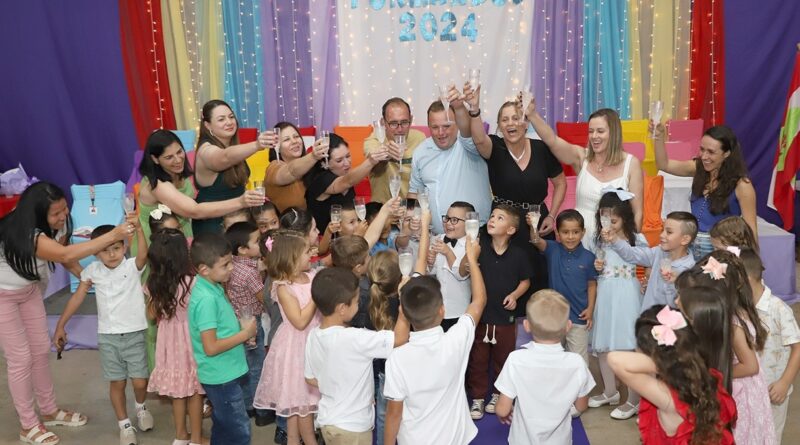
[
  {"x": 600, "y": 254},
  {"x": 400, "y": 213},
  {"x": 258, "y": 187},
  {"x": 416, "y": 217},
  {"x": 336, "y": 213},
  {"x": 394, "y": 184},
  {"x": 473, "y": 225},
  {"x": 665, "y": 266},
  {"x": 474, "y": 78},
  {"x": 422, "y": 199},
  {"x": 129, "y": 203},
  {"x": 401, "y": 142},
  {"x": 656, "y": 111},
  {"x": 361, "y": 208},
  {"x": 605, "y": 218},
  {"x": 245, "y": 314},
  {"x": 443, "y": 89},
  {"x": 326, "y": 141},
  {"x": 406, "y": 260},
  {"x": 527, "y": 97},
  {"x": 380, "y": 131},
  {"x": 535, "y": 213}
]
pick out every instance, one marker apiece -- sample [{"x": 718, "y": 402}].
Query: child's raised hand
[
  {"x": 361, "y": 228},
  {"x": 599, "y": 265},
  {"x": 390, "y": 206},
  {"x": 510, "y": 303},
  {"x": 608, "y": 235},
  {"x": 123, "y": 231},
  {"x": 587, "y": 316},
  {"x": 431, "y": 257},
  {"x": 473, "y": 249},
  {"x": 334, "y": 227}
]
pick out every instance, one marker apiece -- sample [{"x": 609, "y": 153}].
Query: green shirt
[{"x": 209, "y": 309}]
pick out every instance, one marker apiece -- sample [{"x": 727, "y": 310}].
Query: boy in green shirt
[{"x": 217, "y": 339}]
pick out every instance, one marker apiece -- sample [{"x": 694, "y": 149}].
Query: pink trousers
[{"x": 26, "y": 345}]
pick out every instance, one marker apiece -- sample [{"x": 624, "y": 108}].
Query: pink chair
[
  {"x": 569, "y": 198},
  {"x": 635, "y": 148},
  {"x": 681, "y": 150},
  {"x": 686, "y": 130}
]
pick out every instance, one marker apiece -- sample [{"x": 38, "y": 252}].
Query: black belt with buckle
[{"x": 517, "y": 205}]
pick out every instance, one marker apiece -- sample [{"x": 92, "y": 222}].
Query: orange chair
[
  {"x": 575, "y": 133},
  {"x": 651, "y": 208}
]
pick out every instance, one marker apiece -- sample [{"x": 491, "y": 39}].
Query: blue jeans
[
  {"x": 255, "y": 361},
  {"x": 702, "y": 246},
  {"x": 380, "y": 407},
  {"x": 230, "y": 426}
]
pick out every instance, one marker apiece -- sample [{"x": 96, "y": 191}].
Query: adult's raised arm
[
  {"x": 289, "y": 172},
  {"x": 49, "y": 249},
  {"x": 565, "y": 152},
  {"x": 355, "y": 175},
  {"x": 663, "y": 162},
  {"x": 482, "y": 141},
  {"x": 167, "y": 194},
  {"x": 218, "y": 159},
  {"x": 461, "y": 114}
]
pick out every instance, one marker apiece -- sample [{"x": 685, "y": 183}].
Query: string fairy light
[
  {"x": 713, "y": 66},
  {"x": 156, "y": 63},
  {"x": 279, "y": 61}
]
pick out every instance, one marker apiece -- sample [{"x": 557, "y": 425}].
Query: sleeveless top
[
  {"x": 145, "y": 209},
  {"x": 701, "y": 209},
  {"x": 218, "y": 191},
  {"x": 653, "y": 433},
  {"x": 588, "y": 194}
]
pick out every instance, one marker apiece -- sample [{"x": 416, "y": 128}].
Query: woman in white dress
[{"x": 601, "y": 164}]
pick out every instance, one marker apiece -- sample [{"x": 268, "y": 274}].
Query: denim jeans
[
  {"x": 230, "y": 426},
  {"x": 255, "y": 361},
  {"x": 380, "y": 407}
]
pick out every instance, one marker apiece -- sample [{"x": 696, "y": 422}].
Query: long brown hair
[
  {"x": 734, "y": 231},
  {"x": 238, "y": 174},
  {"x": 171, "y": 273},
  {"x": 615, "y": 152},
  {"x": 384, "y": 274},
  {"x": 684, "y": 370},
  {"x": 281, "y": 250},
  {"x": 731, "y": 171}
]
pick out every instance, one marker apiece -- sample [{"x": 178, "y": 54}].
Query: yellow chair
[
  {"x": 636, "y": 131},
  {"x": 258, "y": 163}
]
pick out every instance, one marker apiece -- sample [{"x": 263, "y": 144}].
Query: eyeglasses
[
  {"x": 451, "y": 219},
  {"x": 394, "y": 125}
]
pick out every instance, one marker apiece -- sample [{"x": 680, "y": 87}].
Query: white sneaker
[
  {"x": 490, "y": 407},
  {"x": 625, "y": 411},
  {"x": 145, "y": 420},
  {"x": 127, "y": 435},
  {"x": 601, "y": 399},
  {"x": 476, "y": 411}
]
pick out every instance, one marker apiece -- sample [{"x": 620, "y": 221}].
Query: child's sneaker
[
  {"x": 145, "y": 420},
  {"x": 280, "y": 436},
  {"x": 490, "y": 407},
  {"x": 127, "y": 435},
  {"x": 476, "y": 411}
]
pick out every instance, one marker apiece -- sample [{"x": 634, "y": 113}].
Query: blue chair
[{"x": 188, "y": 138}]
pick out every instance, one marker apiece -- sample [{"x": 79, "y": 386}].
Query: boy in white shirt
[
  {"x": 339, "y": 359},
  {"x": 781, "y": 355},
  {"x": 424, "y": 386},
  {"x": 545, "y": 380},
  {"x": 121, "y": 325},
  {"x": 444, "y": 258}
]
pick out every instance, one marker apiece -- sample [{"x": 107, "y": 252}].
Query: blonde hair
[
  {"x": 734, "y": 231},
  {"x": 547, "y": 313},
  {"x": 282, "y": 258},
  {"x": 615, "y": 153},
  {"x": 384, "y": 274}
]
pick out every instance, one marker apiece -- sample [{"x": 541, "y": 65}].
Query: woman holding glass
[
  {"x": 331, "y": 181},
  {"x": 519, "y": 170},
  {"x": 720, "y": 187},
  {"x": 288, "y": 164}
]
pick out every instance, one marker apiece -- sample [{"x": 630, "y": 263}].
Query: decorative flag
[{"x": 787, "y": 158}]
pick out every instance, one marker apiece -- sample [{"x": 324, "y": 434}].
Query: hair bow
[
  {"x": 623, "y": 195},
  {"x": 715, "y": 268},
  {"x": 671, "y": 321},
  {"x": 734, "y": 250},
  {"x": 268, "y": 244},
  {"x": 160, "y": 211}
]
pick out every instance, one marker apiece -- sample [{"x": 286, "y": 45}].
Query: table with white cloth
[{"x": 776, "y": 245}]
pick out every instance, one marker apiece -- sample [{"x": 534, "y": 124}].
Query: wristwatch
[{"x": 475, "y": 114}]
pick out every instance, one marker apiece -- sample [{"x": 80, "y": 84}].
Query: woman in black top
[
  {"x": 519, "y": 169},
  {"x": 333, "y": 184}
]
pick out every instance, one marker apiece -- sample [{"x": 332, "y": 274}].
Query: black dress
[{"x": 321, "y": 210}]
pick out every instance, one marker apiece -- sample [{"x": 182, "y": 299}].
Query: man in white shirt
[
  {"x": 424, "y": 387},
  {"x": 448, "y": 166},
  {"x": 338, "y": 359},
  {"x": 545, "y": 380}
]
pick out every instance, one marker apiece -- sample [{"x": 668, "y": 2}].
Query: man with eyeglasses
[
  {"x": 397, "y": 121},
  {"x": 447, "y": 165}
]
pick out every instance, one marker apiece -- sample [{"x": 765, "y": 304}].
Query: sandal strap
[{"x": 39, "y": 429}]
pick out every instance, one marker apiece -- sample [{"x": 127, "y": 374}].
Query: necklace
[
  {"x": 599, "y": 167},
  {"x": 515, "y": 157}
]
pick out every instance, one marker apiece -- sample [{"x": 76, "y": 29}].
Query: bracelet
[
  {"x": 549, "y": 215},
  {"x": 476, "y": 114}
]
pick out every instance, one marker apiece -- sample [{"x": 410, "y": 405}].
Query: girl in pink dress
[
  {"x": 282, "y": 386},
  {"x": 169, "y": 287}
]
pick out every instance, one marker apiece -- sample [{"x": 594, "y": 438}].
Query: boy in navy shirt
[{"x": 571, "y": 271}]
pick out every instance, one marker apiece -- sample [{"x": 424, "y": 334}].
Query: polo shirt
[
  {"x": 120, "y": 299},
  {"x": 456, "y": 290},
  {"x": 570, "y": 273},
  {"x": 501, "y": 276},
  {"x": 380, "y": 174},
  {"x": 427, "y": 375},
  {"x": 458, "y": 173},
  {"x": 545, "y": 380},
  {"x": 209, "y": 309},
  {"x": 340, "y": 359}
]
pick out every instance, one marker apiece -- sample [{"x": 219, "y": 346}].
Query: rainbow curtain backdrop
[{"x": 278, "y": 60}]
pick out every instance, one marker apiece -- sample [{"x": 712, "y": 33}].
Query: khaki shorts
[
  {"x": 123, "y": 356},
  {"x": 337, "y": 436}
]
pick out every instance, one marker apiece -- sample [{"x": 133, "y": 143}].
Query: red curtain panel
[
  {"x": 706, "y": 97},
  {"x": 145, "y": 66}
]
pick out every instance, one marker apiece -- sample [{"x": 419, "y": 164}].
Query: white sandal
[
  {"x": 44, "y": 435},
  {"x": 62, "y": 420}
]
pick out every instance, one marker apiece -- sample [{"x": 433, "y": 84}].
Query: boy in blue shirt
[
  {"x": 217, "y": 339},
  {"x": 572, "y": 274}
]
